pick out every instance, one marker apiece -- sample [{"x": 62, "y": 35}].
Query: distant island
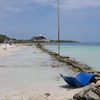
[
  {"x": 33, "y": 40},
  {"x": 64, "y": 41}
]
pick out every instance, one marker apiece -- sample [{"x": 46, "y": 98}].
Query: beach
[
  {"x": 6, "y": 49},
  {"x": 27, "y": 73}
]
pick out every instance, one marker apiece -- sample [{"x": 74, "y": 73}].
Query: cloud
[
  {"x": 14, "y": 5},
  {"x": 20, "y": 5},
  {"x": 72, "y": 4},
  {"x": 80, "y": 4}
]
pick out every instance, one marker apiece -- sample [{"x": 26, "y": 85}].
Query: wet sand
[{"x": 29, "y": 74}]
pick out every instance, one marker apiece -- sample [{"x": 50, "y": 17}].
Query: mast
[{"x": 58, "y": 10}]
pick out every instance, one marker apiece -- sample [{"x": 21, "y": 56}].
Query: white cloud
[
  {"x": 80, "y": 4},
  {"x": 20, "y": 5},
  {"x": 72, "y": 4},
  {"x": 14, "y": 5}
]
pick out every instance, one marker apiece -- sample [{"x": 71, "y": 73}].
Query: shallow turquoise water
[{"x": 87, "y": 53}]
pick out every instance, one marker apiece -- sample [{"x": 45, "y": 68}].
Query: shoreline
[{"x": 76, "y": 65}]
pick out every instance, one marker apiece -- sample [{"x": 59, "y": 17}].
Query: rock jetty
[
  {"x": 75, "y": 65},
  {"x": 91, "y": 92}
]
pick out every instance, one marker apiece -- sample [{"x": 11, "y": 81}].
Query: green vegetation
[
  {"x": 34, "y": 39},
  {"x": 3, "y": 37}
]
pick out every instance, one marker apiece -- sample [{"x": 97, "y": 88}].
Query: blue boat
[{"x": 82, "y": 79}]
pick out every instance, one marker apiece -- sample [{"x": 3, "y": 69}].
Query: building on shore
[{"x": 40, "y": 39}]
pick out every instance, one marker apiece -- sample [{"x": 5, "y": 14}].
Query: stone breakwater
[
  {"x": 91, "y": 92},
  {"x": 75, "y": 65}
]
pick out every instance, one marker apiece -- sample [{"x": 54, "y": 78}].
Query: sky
[{"x": 23, "y": 19}]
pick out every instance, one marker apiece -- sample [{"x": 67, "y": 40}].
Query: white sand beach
[
  {"x": 29, "y": 74},
  {"x": 8, "y": 49}
]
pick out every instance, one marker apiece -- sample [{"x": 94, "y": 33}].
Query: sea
[{"x": 86, "y": 53}]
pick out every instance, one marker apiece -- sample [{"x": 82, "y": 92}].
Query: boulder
[
  {"x": 98, "y": 84},
  {"x": 91, "y": 96},
  {"x": 79, "y": 95},
  {"x": 97, "y": 91},
  {"x": 89, "y": 93}
]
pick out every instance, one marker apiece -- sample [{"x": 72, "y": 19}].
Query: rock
[
  {"x": 97, "y": 77},
  {"x": 97, "y": 91},
  {"x": 83, "y": 95},
  {"x": 91, "y": 96},
  {"x": 78, "y": 96},
  {"x": 98, "y": 84},
  {"x": 90, "y": 87},
  {"x": 47, "y": 94}
]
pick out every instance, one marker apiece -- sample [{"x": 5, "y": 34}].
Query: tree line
[{"x": 3, "y": 37}]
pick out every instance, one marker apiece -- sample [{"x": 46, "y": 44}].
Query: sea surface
[{"x": 87, "y": 53}]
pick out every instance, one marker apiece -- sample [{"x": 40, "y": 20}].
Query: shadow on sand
[{"x": 68, "y": 87}]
